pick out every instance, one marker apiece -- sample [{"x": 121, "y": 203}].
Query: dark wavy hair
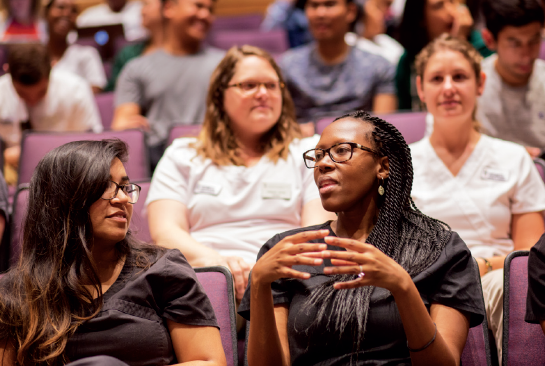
[
  {"x": 216, "y": 140},
  {"x": 402, "y": 232},
  {"x": 43, "y": 299}
]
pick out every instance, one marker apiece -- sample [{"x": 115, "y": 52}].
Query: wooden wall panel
[{"x": 223, "y": 7}]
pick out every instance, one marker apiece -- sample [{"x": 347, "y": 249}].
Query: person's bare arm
[
  {"x": 127, "y": 116},
  {"x": 384, "y": 103},
  {"x": 196, "y": 345},
  {"x": 314, "y": 213},
  {"x": 542, "y": 323},
  {"x": 526, "y": 229},
  {"x": 169, "y": 228}
]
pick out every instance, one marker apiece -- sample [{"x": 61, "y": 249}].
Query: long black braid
[{"x": 402, "y": 232}]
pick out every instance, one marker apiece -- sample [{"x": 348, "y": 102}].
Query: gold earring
[{"x": 380, "y": 187}]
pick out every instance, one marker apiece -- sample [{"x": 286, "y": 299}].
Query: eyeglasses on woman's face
[
  {"x": 251, "y": 87},
  {"x": 339, "y": 153},
  {"x": 131, "y": 190}
]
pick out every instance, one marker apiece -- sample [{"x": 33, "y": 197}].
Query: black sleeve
[
  {"x": 455, "y": 281},
  {"x": 179, "y": 294},
  {"x": 535, "y": 302}
]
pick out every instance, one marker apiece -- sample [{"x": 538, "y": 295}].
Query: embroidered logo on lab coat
[
  {"x": 208, "y": 188},
  {"x": 498, "y": 175}
]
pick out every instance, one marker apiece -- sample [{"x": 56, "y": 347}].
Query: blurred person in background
[
  {"x": 290, "y": 16},
  {"x": 370, "y": 31},
  {"x": 81, "y": 60},
  {"x": 328, "y": 77},
  {"x": 21, "y": 21},
  {"x": 169, "y": 86},
  {"x": 220, "y": 196},
  {"x": 486, "y": 189},
  {"x": 512, "y": 106},
  {"x": 152, "y": 20},
  {"x": 110, "y": 12},
  {"x": 423, "y": 21},
  {"x": 37, "y": 98}
]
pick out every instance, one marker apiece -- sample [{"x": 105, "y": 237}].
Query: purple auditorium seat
[
  {"x": 20, "y": 205},
  {"x": 412, "y": 125},
  {"x": 275, "y": 41},
  {"x": 523, "y": 343},
  {"x": 238, "y": 22},
  {"x": 139, "y": 221},
  {"x": 182, "y": 131},
  {"x": 218, "y": 285},
  {"x": 36, "y": 144},
  {"x": 105, "y": 104},
  {"x": 540, "y": 166}
]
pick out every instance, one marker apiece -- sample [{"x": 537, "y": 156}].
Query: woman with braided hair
[{"x": 381, "y": 284}]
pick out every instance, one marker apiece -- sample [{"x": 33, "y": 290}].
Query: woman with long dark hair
[
  {"x": 383, "y": 283},
  {"x": 85, "y": 287}
]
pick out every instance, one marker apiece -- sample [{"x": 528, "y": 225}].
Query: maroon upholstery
[
  {"x": 476, "y": 351},
  {"x": 218, "y": 285},
  {"x": 540, "y": 166},
  {"x": 275, "y": 41},
  {"x": 36, "y": 144},
  {"x": 412, "y": 125},
  {"x": 523, "y": 343},
  {"x": 238, "y": 22},
  {"x": 105, "y": 104},
  {"x": 139, "y": 221},
  {"x": 182, "y": 131}
]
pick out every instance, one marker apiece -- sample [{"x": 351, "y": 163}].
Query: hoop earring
[{"x": 380, "y": 187}]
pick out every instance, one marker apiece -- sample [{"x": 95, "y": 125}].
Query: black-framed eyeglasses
[
  {"x": 339, "y": 153},
  {"x": 251, "y": 87},
  {"x": 131, "y": 190}
]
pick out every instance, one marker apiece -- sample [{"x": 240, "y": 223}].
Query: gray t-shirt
[
  {"x": 169, "y": 89},
  {"x": 320, "y": 90},
  {"x": 513, "y": 113}
]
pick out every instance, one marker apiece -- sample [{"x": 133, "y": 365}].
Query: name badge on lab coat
[
  {"x": 276, "y": 191},
  {"x": 498, "y": 175},
  {"x": 212, "y": 189}
]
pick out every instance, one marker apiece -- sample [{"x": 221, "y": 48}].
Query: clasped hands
[{"x": 379, "y": 269}]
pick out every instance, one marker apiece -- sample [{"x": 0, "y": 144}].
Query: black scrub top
[
  {"x": 535, "y": 302},
  {"x": 453, "y": 281},
  {"x": 132, "y": 323}
]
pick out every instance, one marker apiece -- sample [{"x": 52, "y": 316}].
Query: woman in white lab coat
[{"x": 488, "y": 190}]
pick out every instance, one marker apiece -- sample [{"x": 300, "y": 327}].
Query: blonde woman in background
[
  {"x": 488, "y": 190},
  {"x": 219, "y": 197}
]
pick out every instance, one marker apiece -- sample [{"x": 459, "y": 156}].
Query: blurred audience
[
  {"x": 169, "y": 86},
  {"x": 152, "y": 20},
  {"x": 81, "y": 60},
  {"x": 115, "y": 12},
  {"x": 36, "y": 98},
  {"x": 219, "y": 197},
  {"x": 370, "y": 33},
  {"x": 288, "y": 15},
  {"x": 4, "y": 224},
  {"x": 512, "y": 106},
  {"x": 423, "y": 21},
  {"x": 21, "y": 21},
  {"x": 486, "y": 189},
  {"x": 328, "y": 77}
]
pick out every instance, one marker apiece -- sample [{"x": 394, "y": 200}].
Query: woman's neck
[
  {"x": 358, "y": 223},
  {"x": 453, "y": 135},
  {"x": 249, "y": 150},
  {"x": 57, "y": 46}
]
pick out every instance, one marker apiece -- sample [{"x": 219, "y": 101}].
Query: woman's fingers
[
  {"x": 340, "y": 262},
  {"x": 305, "y": 248},
  {"x": 349, "y": 284},
  {"x": 306, "y": 236},
  {"x": 299, "y": 260},
  {"x": 344, "y": 270},
  {"x": 349, "y": 244}
]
